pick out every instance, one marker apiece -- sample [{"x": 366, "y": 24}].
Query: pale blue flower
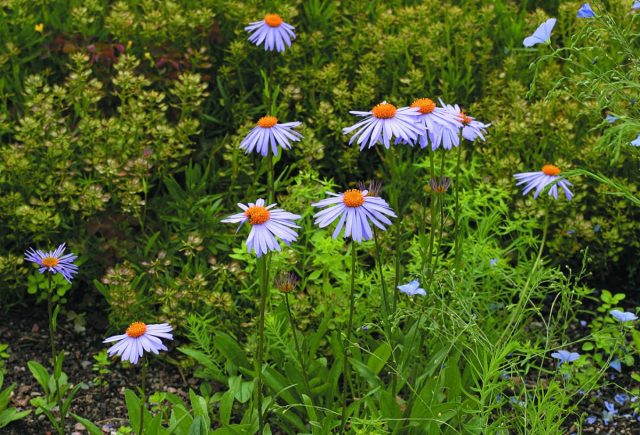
[
  {"x": 636, "y": 5},
  {"x": 54, "y": 261},
  {"x": 274, "y": 33},
  {"x": 412, "y": 289},
  {"x": 621, "y": 398},
  {"x": 616, "y": 365},
  {"x": 269, "y": 134},
  {"x": 636, "y": 141},
  {"x": 493, "y": 262},
  {"x": 139, "y": 338},
  {"x": 541, "y": 179},
  {"x": 585, "y": 11},
  {"x": 611, "y": 118},
  {"x": 541, "y": 35},
  {"x": 564, "y": 356},
  {"x": 609, "y": 411},
  {"x": 623, "y": 316},
  {"x": 442, "y": 126}
]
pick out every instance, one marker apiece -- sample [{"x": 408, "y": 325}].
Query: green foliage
[{"x": 8, "y": 414}]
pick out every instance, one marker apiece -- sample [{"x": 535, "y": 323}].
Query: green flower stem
[
  {"x": 294, "y": 331},
  {"x": 143, "y": 397},
  {"x": 263, "y": 272},
  {"x": 54, "y": 352},
  {"x": 458, "y": 237},
  {"x": 426, "y": 263},
  {"x": 346, "y": 375},
  {"x": 270, "y": 182}
]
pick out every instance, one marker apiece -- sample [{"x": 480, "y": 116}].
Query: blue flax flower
[
  {"x": 611, "y": 118},
  {"x": 564, "y": 356},
  {"x": 383, "y": 122},
  {"x": 267, "y": 223},
  {"x": 272, "y": 31},
  {"x": 54, "y": 261},
  {"x": 608, "y": 412},
  {"x": 355, "y": 208},
  {"x": 585, "y": 11},
  {"x": 636, "y": 141},
  {"x": 636, "y": 5},
  {"x": 412, "y": 289},
  {"x": 616, "y": 365},
  {"x": 139, "y": 337},
  {"x": 542, "y": 35},
  {"x": 623, "y": 316},
  {"x": 269, "y": 134},
  {"x": 591, "y": 419},
  {"x": 541, "y": 179},
  {"x": 621, "y": 398}
]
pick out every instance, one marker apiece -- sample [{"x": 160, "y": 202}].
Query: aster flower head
[
  {"x": 440, "y": 185},
  {"x": 585, "y": 11},
  {"x": 373, "y": 189},
  {"x": 623, "y": 316},
  {"x": 286, "y": 282},
  {"x": 355, "y": 208},
  {"x": 471, "y": 128},
  {"x": 272, "y": 31},
  {"x": 139, "y": 338},
  {"x": 412, "y": 288},
  {"x": 268, "y": 134},
  {"x": 55, "y": 261},
  {"x": 384, "y": 122},
  {"x": 442, "y": 126},
  {"x": 564, "y": 356},
  {"x": 541, "y": 179},
  {"x": 267, "y": 223}
]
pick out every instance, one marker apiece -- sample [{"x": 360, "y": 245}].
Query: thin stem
[
  {"x": 383, "y": 283},
  {"x": 143, "y": 397},
  {"x": 457, "y": 247},
  {"x": 263, "y": 277},
  {"x": 432, "y": 227},
  {"x": 54, "y": 352},
  {"x": 294, "y": 331},
  {"x": 270, "y": 182},
  {"x": 345, "y": 346}
]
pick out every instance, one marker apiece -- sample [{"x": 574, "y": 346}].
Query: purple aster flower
[
  {"x": 383, "y": 122},
  {"x": 636, "y": 141},
  {"x": 355, "y": 208},
  {"x": 54, "y": 261},
  {"x": 621, "y": 398},
  {"x": 611, "y": 118},
  {"x": 585, "y": 11},
  {"x": 591, "y": 419},
  {"x": 442, "y": 127},
  {"x": 541, "y": 179},
  {"x": 616, "y": 365},
  {"x": 412, "y": 289},
  {"x": 564, "y": 356},
  {"x": 268, "y": 133},
  {"x": 471, "y": 129},
  {"x": 623, "y": 316},
  {"x": 272, "y": 31},
  {"x": 138, "y": 338},
  {"x": 266, "y": 225}
]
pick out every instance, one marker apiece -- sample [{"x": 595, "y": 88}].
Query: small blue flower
[
  {"x": 493, "y": 262},
  {"x": 636, "y": 5},
  {"x": 611, "y": 119},
  {"x": 591, "y": 419},
  {"x": 412, "y": 289},
  {"x": 621, "y": 398},
  {"x": 586, "y": 12},
  {"x": 596, "y": 228},
  {"x": 636, "y": 141},
  {"x": 564, "y": 356},
  {"x": 583, "y": 323},
  {"x": 623, "y": 316},
  {"x": 616, "y": 365},
  {"x": 610, "y": 411},
  {"x": 571, "y": 232},
  {"x": 542, "y": 35}
]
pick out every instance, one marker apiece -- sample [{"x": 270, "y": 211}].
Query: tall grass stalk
[{"x": 346, "y": 374}]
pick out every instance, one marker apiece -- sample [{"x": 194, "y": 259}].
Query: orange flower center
[
  {"x": 272, "y": 20},
  {"x": 426, "y": 105},
  {"x": 257, "y": 214},
  {"x": 551, "y": 170},
  {"x": 353, "y": 198},
  {"x": 384, "y": 110},
  {"x": 136, "y": 329},
  {"x": 50, "y": 262},
  {"x": 267, "y": 121},
  {"x": 465, "y": 119}
]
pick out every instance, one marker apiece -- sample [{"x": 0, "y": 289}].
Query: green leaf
[
  {"x": 199, "y": 426},
  {"x": 229, "y": 348},
  {"x": 133, "y": 408},
  {"x": 92, "y": 428},
  {"x": 40, "y": 373},
  {"x": 226, "y": 405},
  {"x": 9, "y": 415},
  {"x": 242, "y": 391},
  {"x": 379, "y": 358}
]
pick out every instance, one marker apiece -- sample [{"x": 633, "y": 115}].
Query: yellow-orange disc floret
[
  {"x": 272, "y": 20},
  {"x": 384, "y": 111},
  {"x": 50, "y": 262},
  {"x": 257, "y": 215},
  {"x": 551, "y": 170},
  {"x": 425, "y": 105},
  {"x": 267, "y": 121},
  {"x": 353, "y": 198},
  {"x": 136, "y": 329},
  {"x": 465, "y": 119}
]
